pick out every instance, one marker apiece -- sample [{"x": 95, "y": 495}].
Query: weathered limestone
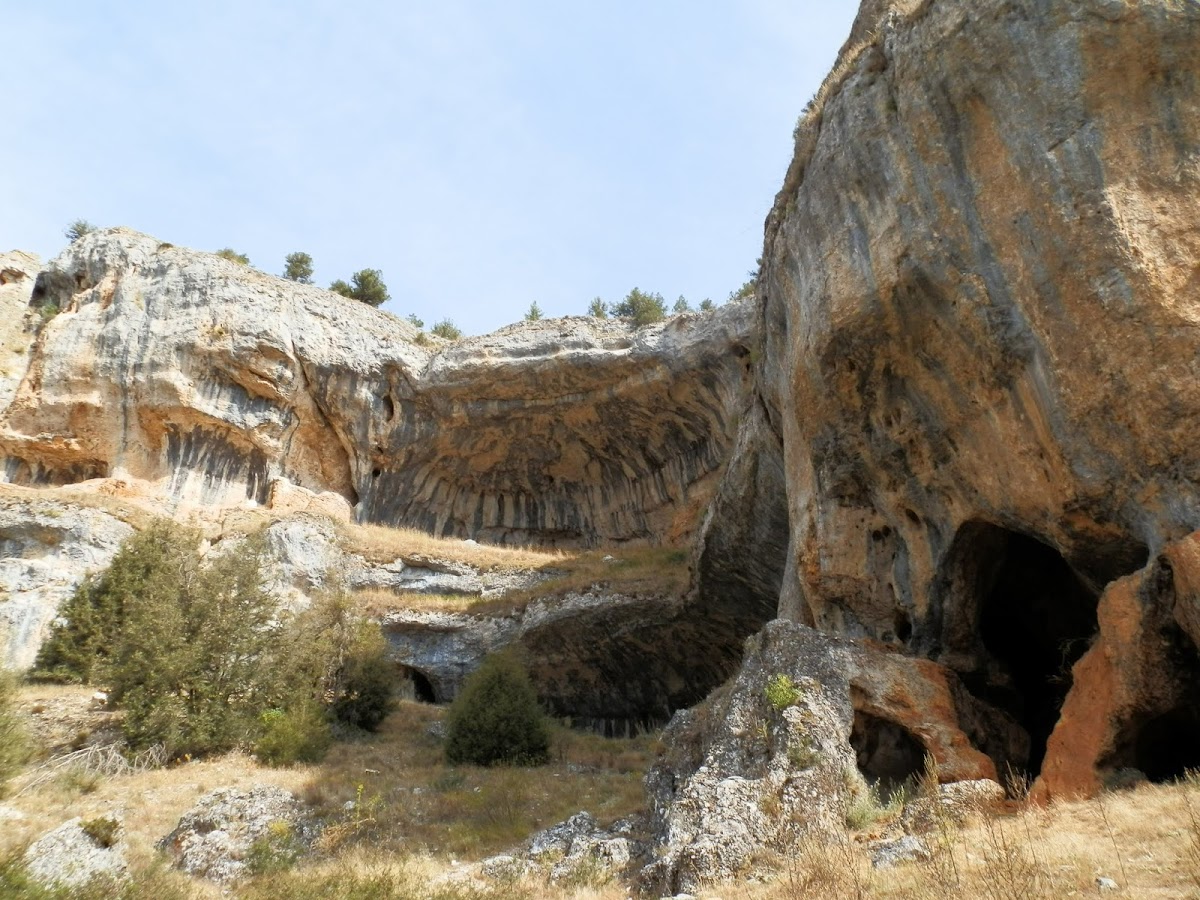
[
  {"x": 212, "y": 381},
  {"x": 979, "y": 313},
  {"x": 741, "y": 773},
  {"x": 1135, "y": 707},
  {"x": 46, "y": 548},
  {"x": 17, "y": 273}
]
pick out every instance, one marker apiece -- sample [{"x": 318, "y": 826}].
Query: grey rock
[
  {"x": 69, "y": 857},
  {"x": 886, "y": 854},
  {"x": 213, "y": 839},
  {"x": 1106, "y": 884},
  {"x": 47, "y": 547},
  {"x": 739, "y": 775}
]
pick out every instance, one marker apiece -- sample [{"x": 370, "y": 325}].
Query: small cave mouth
[
  {"x": 1168, "y": 746},
  {"x": 415, "y": 685},
  {"x": 889, "y": 756},
  {"x": 1024, "y": 617}
]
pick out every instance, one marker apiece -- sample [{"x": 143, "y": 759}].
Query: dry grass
[
  {"x": 379, "y": 543},
  {"x": 416, "y": 801},
  {"x": 1146, "y": 840},
  {"x": 646, "y": 570},
  {"x": 408, "y": 801}
]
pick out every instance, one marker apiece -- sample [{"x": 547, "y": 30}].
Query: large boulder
[
  {"x": 754, "y": 767},
  {"x": 78, "y": 852},
  {"x": 216, "y": 837}
]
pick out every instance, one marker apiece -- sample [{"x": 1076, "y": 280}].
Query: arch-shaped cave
[
  {"x": 415, "y": 685},
  {"x": 888, "y": 754},
  {"x": 1016, "y": 618}
]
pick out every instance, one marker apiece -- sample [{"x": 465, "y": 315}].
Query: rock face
[
  {"x": 17, "y": 325},
  {"x": 615, "y": 663},
  {"x": 1136, "y": 702},
  {"x": 212, "y": 381},
  {"x": 46, "y": 549},
  {"x": 743, "y": 772},
  {"x": 979, "y": 301}
]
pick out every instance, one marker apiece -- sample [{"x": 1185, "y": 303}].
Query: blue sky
[{"x": 483, "y": 155}]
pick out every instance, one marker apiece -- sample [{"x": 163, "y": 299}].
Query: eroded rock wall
[
  {"x": 981, "y": 292},
  {"x": 210, "y": 382}
]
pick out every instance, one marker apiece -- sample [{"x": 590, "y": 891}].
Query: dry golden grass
[
  {"x": 408, "y": 800},
  {"x": 643, "y": 570},
  {"x": 379, "y": 543},
  {"x": 1150, "y": 846}
]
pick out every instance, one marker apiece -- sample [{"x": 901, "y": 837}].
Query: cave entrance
[
  {"x": 888, "y": 754},
  {"x": 1018, "y": 618},
  {"x": 415, "y": 685},
  {"x": 1167, "y": 746}
]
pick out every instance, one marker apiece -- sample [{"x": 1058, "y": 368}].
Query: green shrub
[
  {"x": 184, "y": 646},
  {"x": 78, "y": 229},
  {"x": 233, "y": 256},
  {"x": 298, "y": 266},
  {"x": 366, "y": 285},
  {"x": 102, "y": 830},
  {"x": 782, "y": 692},
  {"x": 598, "y": 309},
  {"x": 681, "y": 305},
  {"x": 496, "y": 717},
  {"x": 447, "y": 329},
  {"x": 338, "y": 660},
  {"x": 14, "y": 740},
  {"x": 643, "y": 308},
  {"x": 534, "y": 312},
  {"x": 297, "y": 735},
  {"x": 146, "y": 569}
]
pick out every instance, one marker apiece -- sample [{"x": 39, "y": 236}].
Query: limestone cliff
[
  {"x": 980, "y": 299},
  {"x": 211, "y": 383}
]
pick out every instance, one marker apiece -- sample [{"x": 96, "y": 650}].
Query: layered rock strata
[{"x": 212, "y": 382}]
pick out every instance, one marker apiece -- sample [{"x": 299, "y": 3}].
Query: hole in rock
[
  {"x": 389, "y": 408},
  {"x": 375, "y": 473},
  {"x": 414, "y": 685},
  {"x": 888, "y": 754},
  {"x": 1035, "y": 618},
  {"x": 1168, "y": 746}
]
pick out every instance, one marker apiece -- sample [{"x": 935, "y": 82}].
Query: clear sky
[{"x": 483, "y": 155}]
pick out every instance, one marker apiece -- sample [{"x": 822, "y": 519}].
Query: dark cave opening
[
  {"x": 415, "y": 685},
  {"x": 1036, "y": 620},
  {"x": 1017, "y": 618},
  {"x": 1167, "y": 746},
  {"x": 888, "y": 754}
]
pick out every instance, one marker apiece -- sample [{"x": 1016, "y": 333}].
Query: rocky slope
[{"x": 210, "y": 383}]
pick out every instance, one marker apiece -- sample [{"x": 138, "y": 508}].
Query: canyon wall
[
  {"x": 980, "y": 300},
  {"x": 208, "y": 383}
]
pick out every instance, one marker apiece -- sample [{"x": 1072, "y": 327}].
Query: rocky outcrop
[
  {"x": 47, "y": 547},
  {"x": 979, "y": 316},
  {"x": 1134, "y": 712},
  {"x": 79, "y": 853},
  {"x": 211, "y": 381},
  {"x": 216, "y": 838},
  {"x": 752, "y": 768}
]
